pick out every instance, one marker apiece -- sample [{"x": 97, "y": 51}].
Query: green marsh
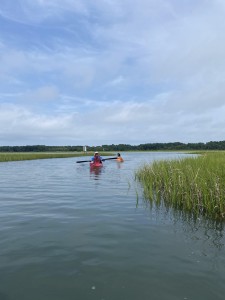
[
  {"x": 193, "y": 185},
  {"x": 15, "y": 156}
]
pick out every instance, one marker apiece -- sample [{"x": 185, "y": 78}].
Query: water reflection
[
  {"x": 119, "y": 164},
  {"x": 95, "y": 173},
  {"x": 207, "y": 231}
]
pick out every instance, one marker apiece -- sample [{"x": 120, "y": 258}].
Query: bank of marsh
[
  {"x": 195, "y": 185},
  {"x": 14, "y": 156}
]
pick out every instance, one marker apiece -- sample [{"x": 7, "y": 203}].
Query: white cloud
[
  {"x": 132, "y": 71},
  {"x": 133, "y": 122}
]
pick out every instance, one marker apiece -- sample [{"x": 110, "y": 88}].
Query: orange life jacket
[{"x": 119, "y": 159}]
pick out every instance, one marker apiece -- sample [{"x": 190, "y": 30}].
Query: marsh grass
[
  {"x": 12, "y": 156},
  {"x": 193, "y": 185}
]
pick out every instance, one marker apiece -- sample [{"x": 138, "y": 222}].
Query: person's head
[
  {"x": 96, "y": 153},
  {"x": 118, "y": 154}
]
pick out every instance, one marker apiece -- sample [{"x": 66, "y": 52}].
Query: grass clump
[{"x": 194, "y": 185}]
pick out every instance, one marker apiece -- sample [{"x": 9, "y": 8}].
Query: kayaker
[
  {"x": 96, "y": 158},
  {"x": 119, "y": 158}
]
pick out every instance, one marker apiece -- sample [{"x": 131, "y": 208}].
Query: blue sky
[{"x": 84, "y": 72}]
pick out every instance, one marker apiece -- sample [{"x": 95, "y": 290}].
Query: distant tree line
[
  {"x": 120, "y": 147},
  {"x": 40, "y": 148}
]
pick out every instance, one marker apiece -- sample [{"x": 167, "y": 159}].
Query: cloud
[
  {"x": 132, "y": 122},
  {"x": 130, "y": 71}
]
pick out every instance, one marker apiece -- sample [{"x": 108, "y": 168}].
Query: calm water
[{"x": 67, "y": 233}]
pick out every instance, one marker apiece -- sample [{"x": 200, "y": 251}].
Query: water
[{"x": 68, "y": 233}]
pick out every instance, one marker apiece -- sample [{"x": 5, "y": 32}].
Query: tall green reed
[{"x": 193, "y": 185}]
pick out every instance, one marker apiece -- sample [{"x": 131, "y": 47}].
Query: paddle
[
  {"x": 109, "y": 158},
  {"x": 81, "y": 161}
]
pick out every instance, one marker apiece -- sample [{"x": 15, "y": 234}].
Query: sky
[{"x": 95, "y": 72}]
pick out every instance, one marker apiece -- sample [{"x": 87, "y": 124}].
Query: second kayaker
[{"x": 119, "y": 158}]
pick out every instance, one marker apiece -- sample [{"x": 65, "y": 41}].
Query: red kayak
[{"x": 96, "y": 164}]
